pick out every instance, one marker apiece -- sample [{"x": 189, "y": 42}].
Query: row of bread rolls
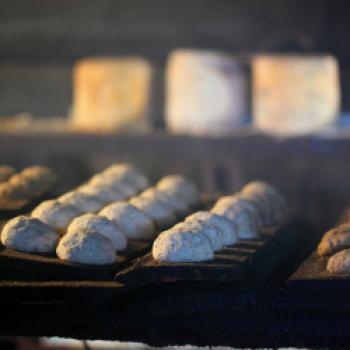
[
  {"x": 28, "y": 183},
  {"x": 335, "y": 244},
  {"x": 116, "y": 222},
  {"x": 239, "y": 216},
  {"x": 138, "y": 218}
]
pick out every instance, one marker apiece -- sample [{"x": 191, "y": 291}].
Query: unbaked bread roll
[
  {"x": 334, "y": 240},
  {"x": 177, "y": 204},
  {"x": 6, "y": 172},
  {"x": 30, "y": 235},
  {"x": 104, "y": 193},
  {"x": 182, "y": 246},
  {"x": 227, "y": 228},
  {"x": 162, "y": 215},
  {"x": 86, "y": 203},
  {"x": 133, "y": 222},
  {"x": 214, "y": 235},
  {"x": 41, "y": 178},
  {"x": 339, "y": 262},
  {"x": 100, "y": 224},
  {"x": 56, "y": 214},
  {"x": 87, "y": 248},
  {"x": 181, "y": 187}
]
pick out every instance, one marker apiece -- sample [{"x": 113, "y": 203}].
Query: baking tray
[{"x": 247, "y": 263}]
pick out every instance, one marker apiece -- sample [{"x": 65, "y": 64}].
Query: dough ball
[
  {"x": 56, "y": 214},
  {"x": 123, "y": 187},
  {"x": 129, "y": 174},
  {"x": 27, "y": 234},
  {"x": 6, "y": 172},
  {"x": 228, "y": 205},
  {"x": 11, "y": 191},
  {"x": 104, "y": 193},
  {"x": 228, "y": 229},
  {"x": 102, "y": 225},
  {"x": 179, "y": 186},
  {"x": 334, "y": 240},
  {"x": 160, "y": 212},
  {"x": 339, "y": 262},
  {"x": 199, "y": 227},
  {"x": 133, "y": 222},
  {"x": 184, "y": 246},
  {"x": 40, "y": 177},
  {"x": 86, "y": 203},
  {"x": 177, "y": 204},
  {"x": 272, "y": 199},
  {"x": 86, "y": 247}
]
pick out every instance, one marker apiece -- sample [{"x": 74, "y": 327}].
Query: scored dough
[
  {"x": 185, "y": 246},
  {"x": 56, "y": 214},
  {"x": 334, "y": 240},
  {"x": 339, "y": 262},
  {"x": 162, "y": 215},
  {"x": 28, "y": 234},
  {"x": 86, "y": 247},
  {"x": 179, "y": 186},
  {"x": 100, "y": 224},
  {"x": 86, "y": 203},
  {"x": 133, "y": 222}
]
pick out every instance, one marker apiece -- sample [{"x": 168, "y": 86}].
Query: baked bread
[
  {"x": 30, "y": 235},
  {"x": 86, "y": 203},
  {"x": 178, "y": 185},
  {"x": 102, "y": 225},
  {"x": 334, "y": 240},
  {"x": 118, "y": 185},
  {"x": 227, "y": 228},
  {"x": 87, "y": 248},
  {"x": 162, "y": 215},
  {"x": 177, "y": 204},
  {"x": 339, "y": 262},
  {"x": 56, "y": 214},
  {"x": 128, "y": 173},
  {"x": 6, "y": 172},
  {"x": 133, "y": 222},
  {"x": 193, "y": 225},
  {"x": 182, "y": 246}
]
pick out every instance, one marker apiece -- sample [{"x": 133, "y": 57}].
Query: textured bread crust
[
  {"x": 30, "y": 235},
  {"x": 86, "y": 203},
  {"x": 339, "y": 262},
  {"x": 100, "y": 224},
  {"x": 162, "y": 214},
  {"x": 86, "y": 247},
  {"x": 182, "y": 246},
  {"x": 133, "y": 222},
  {"x": 227, "y": 228},
  {"x": 334, "y": 240},
  {"x": 56, "y": 214}
]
